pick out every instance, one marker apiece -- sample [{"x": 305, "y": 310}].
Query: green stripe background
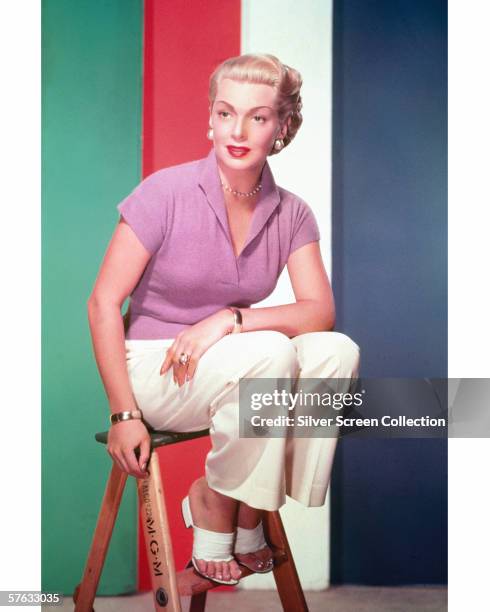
[{"x": 91, "y": 159}]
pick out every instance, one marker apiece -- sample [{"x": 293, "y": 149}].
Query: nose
[{"x": 239, "y": 129}]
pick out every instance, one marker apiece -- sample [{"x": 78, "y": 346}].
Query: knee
[
  {"x": 329, "y": 346},
  {"x": 348, "y": 353},
  {"x": 279, "y": 351}
]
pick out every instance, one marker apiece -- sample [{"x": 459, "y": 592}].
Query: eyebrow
[{"x": 252, "y": 109}]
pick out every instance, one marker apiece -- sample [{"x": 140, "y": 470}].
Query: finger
[
  {"x": 144, "y": 454},
  {"x": 167, "y": 361},
  {"x": 132, "y": 463},
  {"x": 182, "y": 370},
  {"x": 118, "y": 456},
  {"x": 194, "y": 360},
  {"x": 173, "y": 353},
  {"x": 182, "y": 376},
  {"x": 174, "y": 359}
]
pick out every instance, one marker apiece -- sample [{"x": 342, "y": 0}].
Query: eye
[
  {"x": 259, "y": 118},
  {"x": 223, "y": 114}
]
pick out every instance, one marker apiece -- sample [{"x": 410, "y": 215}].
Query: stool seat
[{"x": 161, "y": 438}]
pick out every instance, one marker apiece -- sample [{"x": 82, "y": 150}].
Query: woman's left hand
[{"x": 194, "y": 342}]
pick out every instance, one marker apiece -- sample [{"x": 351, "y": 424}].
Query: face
[{"x": 245, "y": 124}]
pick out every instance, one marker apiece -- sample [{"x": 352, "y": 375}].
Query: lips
[{"x": 237, "y": 151}]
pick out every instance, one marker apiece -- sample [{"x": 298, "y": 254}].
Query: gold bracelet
[
  {"x": 237, "y": 320},
  {"x": 127, "y": 415}
]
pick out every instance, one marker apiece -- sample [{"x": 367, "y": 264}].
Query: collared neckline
[{"x": 269, "y": 197}]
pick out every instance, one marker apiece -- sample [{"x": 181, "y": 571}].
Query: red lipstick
[{"x": 237, "y": 151}]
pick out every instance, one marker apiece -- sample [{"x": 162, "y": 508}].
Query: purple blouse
[{"x": 179, "y": 216}]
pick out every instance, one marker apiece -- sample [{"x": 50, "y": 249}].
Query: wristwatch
[{"x": 127, "y": 415}]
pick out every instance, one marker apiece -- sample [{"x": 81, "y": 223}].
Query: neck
[{"x": 240, "y": 180}]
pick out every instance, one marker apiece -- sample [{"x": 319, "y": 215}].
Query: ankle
[
  {"x": 210, "y": 508},
  {"x": 248, "y": 517},
  {"x": 197, "y": 494}
]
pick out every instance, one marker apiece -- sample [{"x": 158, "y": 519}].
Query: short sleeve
[
  {"x": 143, "y": 210},
  {"x": 305, "y": 227}
]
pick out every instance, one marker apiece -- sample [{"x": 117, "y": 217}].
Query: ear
[{"x": 284, "y": 128}]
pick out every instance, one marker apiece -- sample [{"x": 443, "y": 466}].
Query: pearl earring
[
  {"x": 210, "y": 134},
  {"x": 278, "y": 145}
]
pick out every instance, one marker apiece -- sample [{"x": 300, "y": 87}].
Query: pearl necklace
[{"x": 245, "y": 194}]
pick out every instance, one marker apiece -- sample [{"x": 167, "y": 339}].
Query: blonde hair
[{"x": 268, "y": 70}]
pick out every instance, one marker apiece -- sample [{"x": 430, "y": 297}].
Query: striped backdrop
[
  {"x": 183, "y": 43},
  {"x": 125, "y": 93}
]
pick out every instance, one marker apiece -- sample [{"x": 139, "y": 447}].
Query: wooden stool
[{"x": 167, "y": 584}]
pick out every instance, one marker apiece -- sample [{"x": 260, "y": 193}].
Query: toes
[
  {"x": 258, "y": 562},
  {"x": 224, "y": 570},
  {"x": 211, "y": 569},
  {"x": 235, "y": 571},
  {"x": 218, "y": 570},
  {"x": 202, "y": 565},
  {"x": 253, "y": 560}
]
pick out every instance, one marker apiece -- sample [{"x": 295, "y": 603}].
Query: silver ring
[{"x": 183, "y": 359}]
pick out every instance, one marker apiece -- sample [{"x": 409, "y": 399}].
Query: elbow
[
  {"x": 330, "y": 324},
  {"x": 319, "y": 318},
  {"x": 98, "y": 305},
  {"x": 327, "y": 318},
  {"x": 93, "y": 304},
  {"x": 331, "y": 317},
  {"x": 93, "y": 307}
]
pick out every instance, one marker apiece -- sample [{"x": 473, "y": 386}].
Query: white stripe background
[{"x": 300, "y": 35}]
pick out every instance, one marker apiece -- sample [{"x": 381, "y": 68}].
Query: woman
[{"x": 195, "y": 246}]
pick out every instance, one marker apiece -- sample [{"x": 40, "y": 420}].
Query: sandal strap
[
  {"x": 250, "y": 540},
  {"x": 212, "y": 545}
]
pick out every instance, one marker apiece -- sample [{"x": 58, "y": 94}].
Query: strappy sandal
[
  {"x": 208, "y": 545},
  {"x": 250, "y": 541}
]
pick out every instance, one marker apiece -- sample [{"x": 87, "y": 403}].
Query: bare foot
[
  {"x": 214, "y": 512},
  {"x": 258, "y": 560}
]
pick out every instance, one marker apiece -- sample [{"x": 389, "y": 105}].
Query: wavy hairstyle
[{"x": 268, "y": 70}]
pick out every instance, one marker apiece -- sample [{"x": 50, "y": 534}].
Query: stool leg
[
  {"x": 285, "y": 574},
  {"x": 85, "y": 593},
  {"x": 198, "y": 602},
  {"x": 157, "y": 539}
]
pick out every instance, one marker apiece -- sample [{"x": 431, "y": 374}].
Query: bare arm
[
  {"x": 314, "y": 309},
  {"x": 122, "y": 267}
]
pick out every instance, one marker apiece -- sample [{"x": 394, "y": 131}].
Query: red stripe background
[{"x": 183, "y": 42}]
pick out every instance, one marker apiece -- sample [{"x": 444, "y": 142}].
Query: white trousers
[{"x": 257, "y": 471}]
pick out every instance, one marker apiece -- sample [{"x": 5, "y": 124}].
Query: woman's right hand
[{"x": 123, "y": 438}]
